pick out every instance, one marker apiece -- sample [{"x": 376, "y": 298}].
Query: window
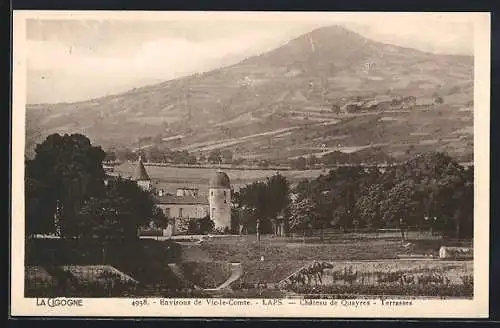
[
  {"x": 167, "y": 212},
  {"x": 224, "y": 193},
  {"x": 180, "y": 212},
  {"x": 213, "y": 212},
  {"x": 212, "y": 193}
]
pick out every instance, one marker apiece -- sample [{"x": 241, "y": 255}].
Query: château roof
[
  {"x": 140, "y": 172},
  {"x": 220, "y": 180}
]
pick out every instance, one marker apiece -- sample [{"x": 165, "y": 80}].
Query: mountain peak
[
  {"x": 333, "y": 31},
  {"x": 324, "y": 44}
]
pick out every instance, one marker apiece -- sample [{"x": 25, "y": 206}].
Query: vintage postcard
[{"x": 244, "y": 164}]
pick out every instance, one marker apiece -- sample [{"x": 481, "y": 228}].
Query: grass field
[
  {"x": 247, "y": 248},
  {"x": 172, "y": 177}
]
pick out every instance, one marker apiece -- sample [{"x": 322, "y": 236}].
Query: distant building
[
  {"x": 424, "y": 101},
  {"x": 188, "y": 204},
  {"x": 179, "y": 210}
]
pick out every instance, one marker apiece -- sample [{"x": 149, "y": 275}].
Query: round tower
[
  {"x": 219, "y": 199},
  {"x": 141, "y": 176}
]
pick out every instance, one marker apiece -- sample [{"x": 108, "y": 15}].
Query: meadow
[{"x": 171, "y": 178}]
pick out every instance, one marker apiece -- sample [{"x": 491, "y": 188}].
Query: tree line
[
  {"x": 157, "y": 154},
  {"x": 67, "y": 191},
  {"x": 430, "y": 191}
]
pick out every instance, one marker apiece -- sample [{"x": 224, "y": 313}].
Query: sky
[{"x": 73, "y": 58}]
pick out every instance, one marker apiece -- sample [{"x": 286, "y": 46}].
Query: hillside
[{"x": 330, "y": 89}]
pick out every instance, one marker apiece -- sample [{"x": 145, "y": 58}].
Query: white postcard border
[{"x": 476, "y": 308}]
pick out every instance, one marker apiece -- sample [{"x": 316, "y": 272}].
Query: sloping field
[
  {"x": 206, "y": 274},
  {"x": 256, "y": 272},
  {"x": 97, "y": 273},
  {"x": 76, "y": 280}
]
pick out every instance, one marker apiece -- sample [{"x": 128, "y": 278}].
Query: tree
[
  {"x": 400, "y": 208},
  {"x": 215, "y": 157},
  {"x": 125, "y": 154},
  {"x": 158, "y": 218},
  {"x": 155, "y": 155},
  {"x": 118, "y": 214},
  {"x": 143, "y": 155},
  {"x": 243, "y": 218},
  {"x": 201, "y": 226},
  {"x": 336, "y": 108},
  {"x": 180, "y": 157},
  {"x": 368, "y": 206},
  {"x": 39, "y": 216},
  {"x": 343, "y": 186},
  {"x": 66, "y": 170},
  {"x": 206, "y": 225},
  {"x": 438, "y": 100},
  {"x": 191, "y": 159},
  {"x": 431, "y": 185},
  {"x": 110, "y": 156},
  {"x": 263, "y": 200},
  {"x": 227, "y": 156},
  {"x": 312, "y": 160},
  {"x": 304, "y": 215},
  {"x": 277, "y": 190},
  {"x": 441, "y": 186}
]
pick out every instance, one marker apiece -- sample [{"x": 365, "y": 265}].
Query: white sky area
[{"x": 78, "y": 59}]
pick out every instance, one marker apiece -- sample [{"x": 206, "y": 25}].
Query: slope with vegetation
[{"x": 325, "y": 88}]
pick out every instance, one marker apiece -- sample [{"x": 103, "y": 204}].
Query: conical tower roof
[
  {"x": 220, "y": 180},
  {"x": 140, "y": 172}
]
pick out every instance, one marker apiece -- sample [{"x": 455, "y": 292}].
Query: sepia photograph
[{"x": 238, "y": 159}]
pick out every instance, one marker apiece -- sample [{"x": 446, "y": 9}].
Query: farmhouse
[
  {"x": 187, "y": 204},
  {"x": 425, "y": 102}
]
